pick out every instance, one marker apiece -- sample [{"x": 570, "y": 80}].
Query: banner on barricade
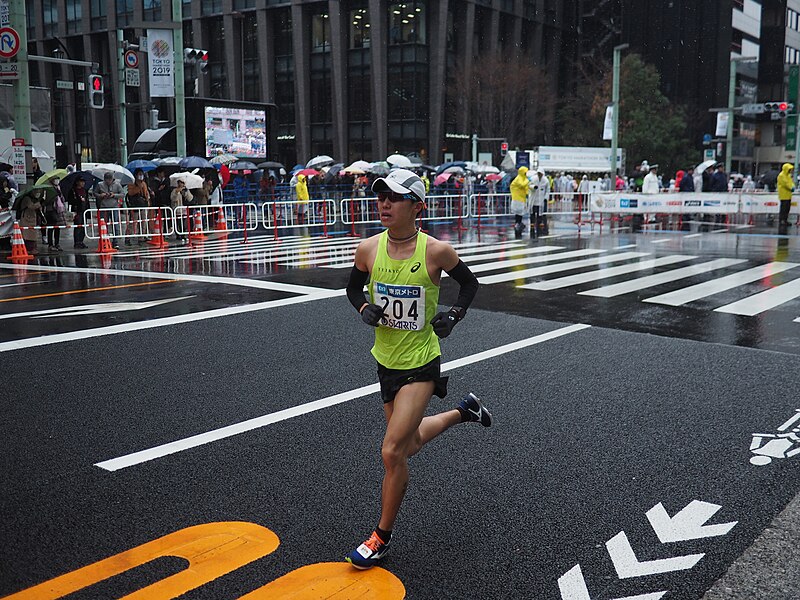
[
  {"x": 766, "y": 204},
  {"x": 677, "y": 203}
]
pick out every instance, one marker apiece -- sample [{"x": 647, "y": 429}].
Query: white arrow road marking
[
  {"x": 627, "y": 565},
  {"x": 90, "y": 309},
  {"x": 688, "y": 524},
  {"x": 573, "y": 587},
  {"x": 792, "y": 420}
]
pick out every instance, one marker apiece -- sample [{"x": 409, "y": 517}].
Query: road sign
[
  {"x": 9, "y": 42},
  {"x": 754, "y": 109},
  {"x": 792, "y": 97},
  {"x": 132, "y": 77},
  {"x": 9, "y": 70},
  {"x": 64, "y": 85},
  {"x": 708, "y": 154},
  {"x": 5, "y": 14},
  {"x": 131, "y": 59},
  {"x": 18, "y": 158}
]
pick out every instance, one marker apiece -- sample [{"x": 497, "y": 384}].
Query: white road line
[
  {"x": 580, "y": 278},
  {"x": 568, "y": 266},
  {"x": 8, "y": 285},
  {"x": 503, "y": 264},
  {"x": 115, "y": 464},
  {"x": 797, "y": 320},
  {"x": 766, "y": 300},
  {"x": 465, "y": 248},
  {"x": 249, "y": 283},
  {"x": 212, "y": 245},
  {"x": 625, "y": 247},
  {"x": 641, "y": 283},
  {"x": 58, "y": 338},
  {"x": 264, "y": 255},
  {"x": 664, "y": 241},
  {"x": 715, "y": 286},
  {"x": 692, "y": 235}
]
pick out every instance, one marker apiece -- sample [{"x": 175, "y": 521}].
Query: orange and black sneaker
[{"x": 369, "y": 553}]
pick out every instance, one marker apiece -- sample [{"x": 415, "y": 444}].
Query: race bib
[{"x": 403, "y": 305}]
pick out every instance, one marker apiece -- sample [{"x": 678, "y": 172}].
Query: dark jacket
[
  {"x": 719, "y": 182},
  {"x": 687, "y": 183},
  {"x": 161, "y": 190}
]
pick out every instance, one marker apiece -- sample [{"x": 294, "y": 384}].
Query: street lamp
[
  {"x": 615, "y": 103},
  {"x": 731, "y": 102}
]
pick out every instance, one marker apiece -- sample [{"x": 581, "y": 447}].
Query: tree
[
  {"x": 650, "y": 126},
  {"x": 505, "y": 95}
]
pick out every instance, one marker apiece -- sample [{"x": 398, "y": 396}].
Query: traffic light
[
  {"x": 97, "y": 95},
  {"x": 503, "y": 148},
  {"x": 197, "y": 57},
  {"x": 782, "y": 108}
]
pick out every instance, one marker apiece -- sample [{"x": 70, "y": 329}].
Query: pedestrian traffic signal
[
  {"x": 503, "y": 148},
  {"x": 97, "y": 95},
  {"x": 197, "y": 57},
  {"x": 782, "y": 108}
]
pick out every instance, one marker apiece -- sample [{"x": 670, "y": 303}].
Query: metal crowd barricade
[
  {"x": 128, "y": 223},
  {"x": 361, "y": 211},
  {"x": 238, "y": 218},
  {"x": 294, "y": 214}
]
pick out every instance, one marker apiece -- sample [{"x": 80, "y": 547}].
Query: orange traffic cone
[
  {"x": 222, "y": 224},
  {"x": 104, "y": 245},
  {"x": 18, "y": 250},
  {"x": 157, "y": 239},
  {"x": 197, "y": 234}
]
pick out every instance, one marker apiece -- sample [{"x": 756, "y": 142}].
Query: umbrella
[
  {"x": 332, "y": 171},
  {"x": 223, "y": 159},
  {"x": 308, "y": 172},
  {"x": 242, "y": 165},
  {"x": 224, "y": 174},
  {"x": 457, "y": 163},
  {"x": 320, "y": 161},
  {"x": 704, "y": 165},
  {"x": 55, "y": 173},
  {"x": 5, "y": 156},
  {"x": 494, "y": 177},
  {"x": 398, "y": 160},
  {"x": 353, "y": 171},
  {"x": 6, "y": 166},
  {"x": 191, "y": 180},
  {"x": 144, "y": 165},
  {"x": 297, "y": 168},
  {"x": 48, "y": 190},
  {"x": 12, "y": 183},
  {"x": 271, "y": 164},
  {"x": 168, "y": 161},
  {"x": 455, "y": 170},
  {"x": 441, "y": 178},
  {"x": 69, "y": 181},
  {"x": 479, "y": 169},
  {"x": 194, "y": 162},
  {"x": 359, "y": 164},
  {"x": 121, "y": 173}
]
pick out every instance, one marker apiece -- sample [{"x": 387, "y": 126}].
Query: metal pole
[
  {"x": 180, "y": 92},
  {"x": 731, "y": 103},
  {"x": 123, "y": 111},
  {"x": 615, "y": 103},
  {"x": 796, "y": 145},
  {"x": 22, "y": 93},
  {"x": 474, "y": 147}
]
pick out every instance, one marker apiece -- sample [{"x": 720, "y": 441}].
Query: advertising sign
[
  {"x": 674, "y": 204},
  {"x": 160, "y": 58},
  {"x": 18, "y": 158},
  {"x": 608, "y": 124},
  {"x": 583, "y": 160}
]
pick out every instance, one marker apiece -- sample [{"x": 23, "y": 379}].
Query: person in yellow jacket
[
  {"x": 785, "y": 189},
  {"x": 519, "y": 195},
  {"x": 302, "y": 197}
]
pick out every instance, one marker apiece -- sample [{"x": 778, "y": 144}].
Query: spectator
[
  {"x": 519, "y": 195},
  {"x": 785, "y": 189},
  {"x": 687, "y": 181},
  {"x": 302, "y": 198},
  {"x": 108, "y": 194},
  {"x": 36, "y": 170},
  {"x": 541, "y": 192},
  {"x": 650, "y": 183},
  {"x": 620, "y": 184},
  {"x": 138, "y": 197},
  {"x": 719, "y": 184},
  {"x": 161, "y": 189},
  {"x": 179, "y": 197},
  {"x": 79, "y": 203},
  {"x": 29, "y": 210},
  {"x": 55, "y": 209},
  {"x": 748, "y": 185}
]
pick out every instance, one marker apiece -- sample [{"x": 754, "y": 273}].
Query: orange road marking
[
  {"x": 212, "y": 550},
  {"x": 331, "y": 581},
  {"x": 99, "y": 289}
]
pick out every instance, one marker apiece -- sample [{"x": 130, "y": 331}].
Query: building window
[
  {"x": 217, "y": 72},
  {"x": 30, "y": 21},
  {"x": 408, "y": 92},
  {"x": 359, "y": 28},
  {"x": 241, "y": 4},
  {"x": 251, "y": 78},
  {"x": 151, "y": 10},
  {"x": 211, "y": 7},
  {"x": 187, "y": 9},
  {"x": 50, "y": 14},
  {"x": 124, "y": 12},
  {"x": 792, "y": 19},
  {"x": 74, "y": 14},
  {"x": 791, "y": 55},
  {"x": 320, "y": 33},
  {"x": 407, "y": 23}
]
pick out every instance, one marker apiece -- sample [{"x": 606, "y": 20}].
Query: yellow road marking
[
  {"x": 84, "y": 291},
  {"x": 331, "y": 581},
  {"x": 212, "y": 550}
]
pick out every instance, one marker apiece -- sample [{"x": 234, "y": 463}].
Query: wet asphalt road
[{"x": 651, "y": 404}]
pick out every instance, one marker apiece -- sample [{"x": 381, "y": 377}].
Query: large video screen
[{"x": 238, "y": 131}]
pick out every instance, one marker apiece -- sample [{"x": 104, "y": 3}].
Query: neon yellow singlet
[{"x": 405, "y": 338}]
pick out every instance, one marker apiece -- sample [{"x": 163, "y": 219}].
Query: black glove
[
  {"x": 372, "y": 314},
  {"x": 444, "y": 322}
]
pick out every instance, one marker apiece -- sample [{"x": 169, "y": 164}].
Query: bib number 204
[{"x": 398, "y": 308}]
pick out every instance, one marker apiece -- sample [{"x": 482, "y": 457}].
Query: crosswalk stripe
[
  {"x": 641, "y": 283},
  {"x": 252, "y": 253},
  {"x": 766, "y": 300},
  {"x": 570, "y": 280},
  {"x": 715, "y": 286},
  {"x": 502, "y": 264},
  {"x": 309, "y": 253},
  {"x": 568, "y": 266}
]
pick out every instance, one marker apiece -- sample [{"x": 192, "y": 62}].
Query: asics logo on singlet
[{"x": 416, "y": 267}]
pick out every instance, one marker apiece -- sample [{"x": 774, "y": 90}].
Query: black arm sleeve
[
  {"x": 468, "y": 283},
  {"x": 355, "y": 288}
]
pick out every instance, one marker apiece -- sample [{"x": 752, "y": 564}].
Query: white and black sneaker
[{"x": 472, "y": 407}]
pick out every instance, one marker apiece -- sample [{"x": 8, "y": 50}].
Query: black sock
[
  {"x": 465, "y": 414},
  {"x": 384, "y": 535}
]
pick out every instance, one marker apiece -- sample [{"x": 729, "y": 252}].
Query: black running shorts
[{"x": 392, "y": 380}]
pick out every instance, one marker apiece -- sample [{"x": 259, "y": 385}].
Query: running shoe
[
  {"x": 369, "y": 553},
  {"x": 476, "y": 410}
]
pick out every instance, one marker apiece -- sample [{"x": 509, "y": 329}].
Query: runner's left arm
[{"x": 444, "y": 322}]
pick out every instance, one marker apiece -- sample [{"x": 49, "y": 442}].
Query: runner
[{"x": 405, "y": 267}]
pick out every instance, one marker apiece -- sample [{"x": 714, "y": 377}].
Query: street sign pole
[
  {"x": 615, "y": 115},
  {"x": 793, "y": 121},
  {"x": 123, "y": 110},
  {"x": 180, "y": 100},
  {"x": 22, "y": 94}
]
